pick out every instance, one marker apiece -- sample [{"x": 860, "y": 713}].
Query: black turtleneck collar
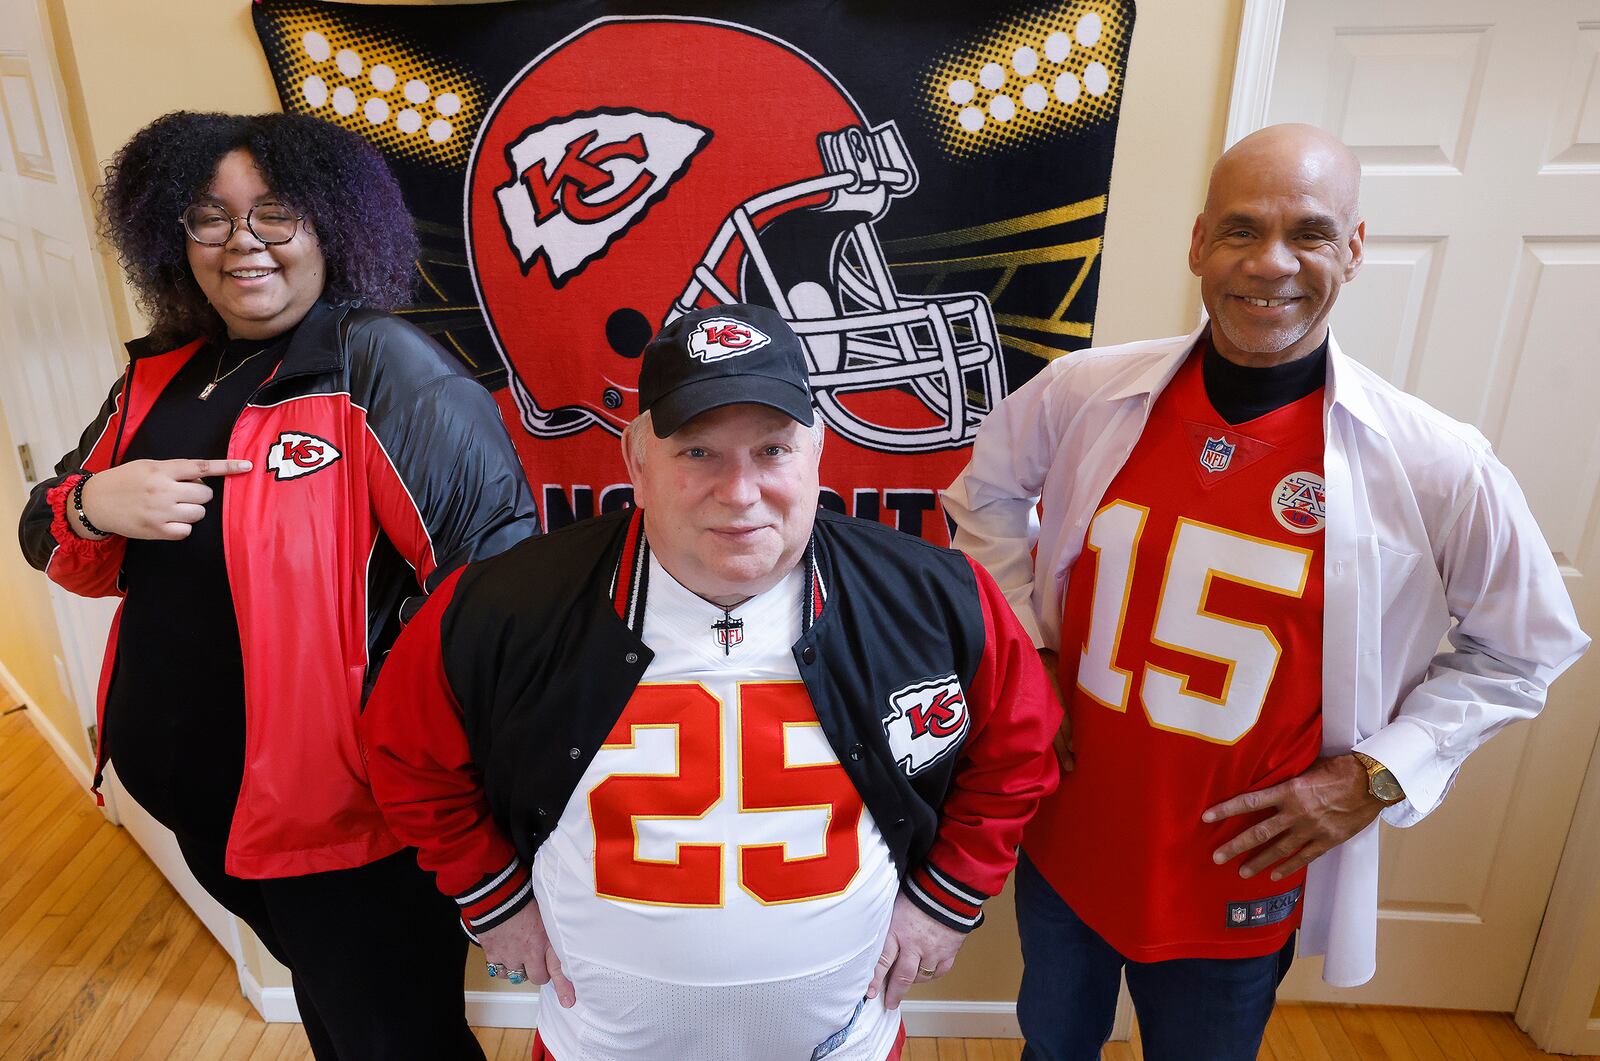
[{"x": 1240, "y": 394}]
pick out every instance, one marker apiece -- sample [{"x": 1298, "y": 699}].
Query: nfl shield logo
[
  {"x": 1236, "y": 915},
  {"x": 729, "y": 632},
  {"x": 1216, "y": 454}
]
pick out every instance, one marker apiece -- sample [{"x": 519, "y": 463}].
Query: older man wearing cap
[{"x": 725, "y": 773}]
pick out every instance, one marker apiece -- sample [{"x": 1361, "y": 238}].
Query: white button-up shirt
[{"x": 1427, "y": 536}]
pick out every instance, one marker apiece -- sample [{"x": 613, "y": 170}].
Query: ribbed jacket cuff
[
  {"x": 495, "y": 898},
  {"x": 945, "y": 899}
]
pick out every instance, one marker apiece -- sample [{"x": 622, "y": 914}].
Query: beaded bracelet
[{"x": 77, "y": 506}]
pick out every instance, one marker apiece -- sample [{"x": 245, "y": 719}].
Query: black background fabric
[
  {"x": 1014, "y": 213},
  {"x": 868, "y": 45}
]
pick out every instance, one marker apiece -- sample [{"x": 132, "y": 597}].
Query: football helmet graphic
[{"x": 645, "y": 167}]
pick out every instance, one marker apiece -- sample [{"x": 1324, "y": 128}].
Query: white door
[
  {"x": 58, "y": 357},
  {"x": 1478, "y": 126}
]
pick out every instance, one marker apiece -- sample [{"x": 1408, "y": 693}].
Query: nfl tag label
[{"x": 1258, "y": 912}]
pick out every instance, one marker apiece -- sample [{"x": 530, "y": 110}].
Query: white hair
[{"x": 641, "y": 427}]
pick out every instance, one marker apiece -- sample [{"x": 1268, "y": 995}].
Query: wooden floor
[{"x": 100, "y": 960}]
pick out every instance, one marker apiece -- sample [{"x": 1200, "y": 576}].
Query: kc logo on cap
[
  {"x": 730, "y": 354},
  {"x": 717, "y": 338}
]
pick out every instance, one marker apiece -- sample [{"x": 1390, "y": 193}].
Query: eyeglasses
[{"x": 212, "y": 226}]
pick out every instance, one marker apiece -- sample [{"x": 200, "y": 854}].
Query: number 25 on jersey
[{"x": 767, "y": 782}]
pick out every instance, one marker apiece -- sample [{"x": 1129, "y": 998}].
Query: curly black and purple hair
[{"x": 337, "y": 179}]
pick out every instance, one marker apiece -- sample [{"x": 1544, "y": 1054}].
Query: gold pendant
[{"x": 206, "y": 391}]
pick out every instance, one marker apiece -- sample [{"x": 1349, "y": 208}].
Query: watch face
[{"x": 1386, "y": 788}]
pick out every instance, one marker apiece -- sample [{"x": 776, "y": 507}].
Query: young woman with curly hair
[{"x": 283, "y": 471}]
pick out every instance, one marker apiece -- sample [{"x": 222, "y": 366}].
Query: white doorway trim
[
  {"x": 71, "y": 757},
  {"x": 1259, "y": 27}
]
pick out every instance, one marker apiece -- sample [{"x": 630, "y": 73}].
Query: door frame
[
  {"x": 1260, "y": 26},
  {"x": 1559, "y": 991}
]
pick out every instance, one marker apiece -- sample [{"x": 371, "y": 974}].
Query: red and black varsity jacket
[
  {"x": 499, "y": 693},
  {"x": 379, "y": 468}
]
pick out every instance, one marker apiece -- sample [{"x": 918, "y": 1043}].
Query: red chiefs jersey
[{"x": 1191, "y": 663}]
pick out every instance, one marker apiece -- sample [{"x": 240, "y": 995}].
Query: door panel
[{"x": 1478, "y": 127}]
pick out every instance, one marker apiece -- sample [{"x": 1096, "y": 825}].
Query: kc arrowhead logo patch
[
  {"x": 927, "y": 721},
  {"x": 718, "y": 338},
  {"x": 296, "y": 454},
  {"x": 578, "y": 183}
]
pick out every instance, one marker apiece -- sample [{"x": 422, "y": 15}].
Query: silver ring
[
  {"x": 496, "y": 969},
  {"x": 927, "y": 972}
]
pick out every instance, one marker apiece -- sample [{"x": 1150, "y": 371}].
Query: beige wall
[{"x": 1173, "y": 117}]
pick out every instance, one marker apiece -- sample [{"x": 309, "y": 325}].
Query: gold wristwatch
[{"x": 1381, "y": 781}]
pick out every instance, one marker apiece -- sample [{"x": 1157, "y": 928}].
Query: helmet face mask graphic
[{"x": 612, "y": 189}]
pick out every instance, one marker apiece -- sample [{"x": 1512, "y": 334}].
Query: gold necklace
[{"x": 205, "y": 392}]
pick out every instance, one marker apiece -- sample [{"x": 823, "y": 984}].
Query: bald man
[{"x": 1238, "y": 552}]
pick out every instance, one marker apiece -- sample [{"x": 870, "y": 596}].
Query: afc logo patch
[
  {"x": 927, "y": 721},
  {"x": 719, "y": 338},
  {"x": 1300, "y": 502},
  {"x": 296, "y": 454}
]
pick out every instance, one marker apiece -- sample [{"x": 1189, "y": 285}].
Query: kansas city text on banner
[{"x": 920, "y": 189}]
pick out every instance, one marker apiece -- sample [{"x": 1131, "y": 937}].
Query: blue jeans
[{"x": 1214, "y": 1009}]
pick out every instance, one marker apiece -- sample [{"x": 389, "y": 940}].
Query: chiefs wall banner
[{"x": 920, "y": 188}]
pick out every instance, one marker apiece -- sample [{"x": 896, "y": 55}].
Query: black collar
[
  {"x": 314, "y": 350},
  {"x": 1240, "y": 394}
]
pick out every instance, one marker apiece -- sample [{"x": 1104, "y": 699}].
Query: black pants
[{"x": 376, "y": 952}]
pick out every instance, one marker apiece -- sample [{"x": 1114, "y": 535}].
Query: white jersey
[{"x": 715, "y": 888}]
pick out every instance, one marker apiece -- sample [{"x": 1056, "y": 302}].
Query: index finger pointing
[{"x": 201, "y": 469}]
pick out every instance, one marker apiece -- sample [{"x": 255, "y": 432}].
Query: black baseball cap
[{"x": 726, "y": 355}]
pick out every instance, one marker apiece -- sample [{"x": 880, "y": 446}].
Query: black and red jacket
[
  {"x": 499, "y": 693},
  {"x": 379, "y": 468}
]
